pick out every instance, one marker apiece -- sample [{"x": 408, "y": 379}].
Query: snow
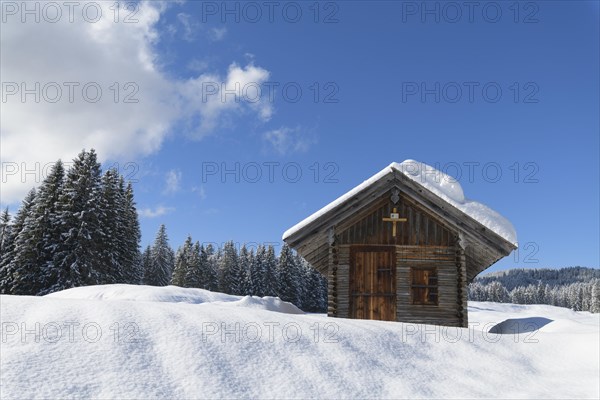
[
  {"x": 119, "y": 341},
  {"x": 169, "y": 294},
  {"x": 439, "y": 183},
  {"x": 174, "y": 294}
]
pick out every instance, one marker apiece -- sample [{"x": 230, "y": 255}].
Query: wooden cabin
[{"x": 398, "y": 249}]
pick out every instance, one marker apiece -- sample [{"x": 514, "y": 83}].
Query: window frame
[{"x": 414, "y": 286}]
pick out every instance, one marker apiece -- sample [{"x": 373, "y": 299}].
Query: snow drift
[
  {"x": 174, "y": 294},
  {"x": 120, "y": 341}
]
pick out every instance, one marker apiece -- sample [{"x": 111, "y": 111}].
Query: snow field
[{"x": 120, "y": 341}]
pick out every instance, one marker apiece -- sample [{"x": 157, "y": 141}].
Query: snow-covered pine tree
[
  {"x": 162, "y": 260},
  {"x": 49, "y": 217},
  {"x": 475, "y": 291},
  {"x": 78, "y": 257},
  {"x": 302, "y": 273},
  {"x": 311, "y": 290},
  {"x": 183, "y": 263},
  {"x": 287, "y": 276},
  {"x": 257, "y": 271},
  {"x": 131, "y": 236},
  {"x": 244, "y": 278},
  {"x": 209, "y": 266},
  {"x": 26, "y": 273},
  {"x": 561, "y": 296},
  {"x": 4, "y": 230},
  {"x": 229, "y": 270},
  {"x": 540, "y": 293},
  {"x": 7, "y": 264},
  {"x": 193, "y": 275},
  {"x": 586, "y": 290},
  {"x": 595, "y": 300},
  {"x": 550, "y": 295},
  {"x": 146, "y": 264},
  {"x": 112, "y": 245},
  {"x": 517, "y": 295},
  {"x": 530, "y": 294},
  {"x": 40, "y": 237},
  {"x": 6, "y": 243},
  {"x": 271, "y": 279},
  {"x": 574, "y": 297},
  {"x": 497, "y": 292}
]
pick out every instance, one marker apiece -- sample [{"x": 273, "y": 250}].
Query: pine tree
[
  {"x": 39, "y": 238},
  {"x": 112, "y": 246},
  {"x": 497, "y": 292},
  {"x": 183, "y": 263},
  {"x": 162, "y": 260},
  {"x": 540, "y": 293},
  {"x": 193, "y": 275},
  {"x": 229, "y": 270},
  {"x": 131, "y": 236},
  {"x": 530, "y": 294},
  {"x": 244, "y": 278},
  {"x": 586, "y": 291},
  {"x": 8, "y": 266},
  {"x": 302, "y": 272},
  {"x": 287, "y": 276},
  {"x": 270, "y": 273},
  {"x": 4, "y": 231},
  {"x": 257, "y": 271},
  {"x": 146, "y": 264},
  {"x": 26, "y": 274},
  {"x": 595, "y": 293},
  {"x": 311, "y": 288},
  {"x": 574, "y": 297},
  {"x": 209, "y": 267},
  {"x": 78, "y": 257}
]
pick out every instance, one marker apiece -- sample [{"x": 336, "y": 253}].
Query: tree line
[
  {"x": 238, "y": 272},
  {"x": 576, "y": 288},
  {"x": 81, "y": 227}
]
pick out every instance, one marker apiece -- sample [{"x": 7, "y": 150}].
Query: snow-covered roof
[{"x": 442, "y": 185}]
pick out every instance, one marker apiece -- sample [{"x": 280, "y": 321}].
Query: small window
[{"x": 424, "y": 286}]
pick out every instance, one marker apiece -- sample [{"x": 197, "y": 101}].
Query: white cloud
[
  {"x": 155, "y": 212},
  {"x": 287, "y": 140},
  {"x": 201, "y": 191},
  {"x": 99, "y": 54},
  {"x": 172, "y": 182},
  {"x": 217, "y": 34},
  {"x": 216, "y": 98},
  {"x": 190, "y": 27}
]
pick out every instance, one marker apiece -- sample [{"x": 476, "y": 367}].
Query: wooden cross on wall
[{"x": 394, "y": 219}]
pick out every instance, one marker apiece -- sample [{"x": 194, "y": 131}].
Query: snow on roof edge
[
  {"x": 442, "y": 185},
  {"x": 311, "y": 218}
]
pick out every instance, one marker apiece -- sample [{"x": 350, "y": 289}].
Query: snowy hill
[{"x": 120, "y": 341}]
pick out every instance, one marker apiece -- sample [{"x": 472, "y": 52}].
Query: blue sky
[{"x": 379, "y": 84}]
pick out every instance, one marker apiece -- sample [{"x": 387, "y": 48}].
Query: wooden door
[{"x": 373, "y": 282}]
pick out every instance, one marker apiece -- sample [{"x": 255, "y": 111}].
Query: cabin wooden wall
[
  {"x": 420, "y": 229},
  {"x": 421, "y": 241},
  {"x": 451, "y": 310},
  {"x": 443, "y": 258}
]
